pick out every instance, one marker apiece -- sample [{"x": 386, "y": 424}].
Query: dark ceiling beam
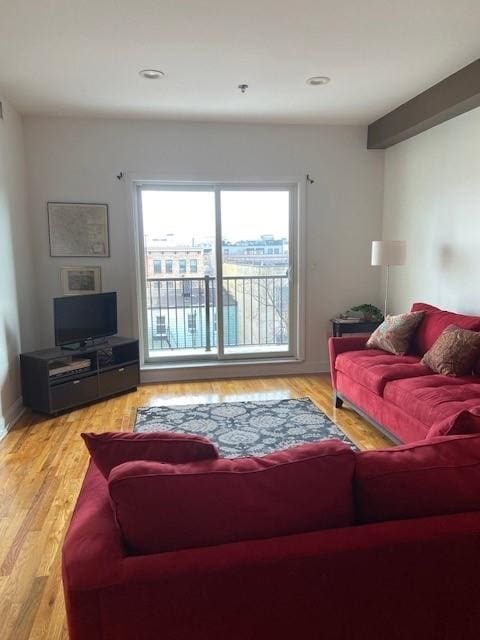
[{"x": 457, "y": 94}]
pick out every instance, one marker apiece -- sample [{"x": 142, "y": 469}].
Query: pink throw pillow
[{"x": 395, "y": 333}]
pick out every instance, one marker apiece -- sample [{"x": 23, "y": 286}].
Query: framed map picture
[
  {"x": 78, "y": 230},
  {"x": 78, "y": 280}
]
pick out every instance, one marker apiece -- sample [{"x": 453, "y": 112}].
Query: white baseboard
[
  {"x": 12, "y": 415},
  {"x": 210, "y": 371}
]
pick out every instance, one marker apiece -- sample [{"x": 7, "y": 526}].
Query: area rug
[{"x": 245, "y": 428}]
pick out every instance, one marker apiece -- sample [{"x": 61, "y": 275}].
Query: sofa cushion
[
  {"x": 108, "y": 450},
  {"x": 395, "y": 333},
  {"x": 373, "y": 368},
  {"x": 433, "y": 398},
  {"x": 454, "y": 353},
  {"x": 433, "y": 324},
  {"x": 161, "y": 507},
  {"x": 398, "y": 423},
  {"x": 424, "y": 306},
  {"x": 438, "y": 476}
]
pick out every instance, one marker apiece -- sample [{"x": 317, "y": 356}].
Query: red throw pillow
[
  {"x": 434, "y": 322},
  {"x": 434, "y": 477},
  {"x": 465, "y": 421},
  {"x": 162, "y": 507},
  {"x": 108, "y": 450}
]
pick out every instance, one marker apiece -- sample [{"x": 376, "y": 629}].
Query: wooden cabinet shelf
[{"x": 114, "y": 368}]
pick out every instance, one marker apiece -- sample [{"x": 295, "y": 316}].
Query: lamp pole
[{"x": 386, "y": 293}]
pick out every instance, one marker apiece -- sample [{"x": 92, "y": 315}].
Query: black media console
[{"x": 54, "y": 380}]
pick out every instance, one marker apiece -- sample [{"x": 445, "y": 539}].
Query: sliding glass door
[
  {"x": 217, "y": 270},
  {"x": 255, "y": 229}
]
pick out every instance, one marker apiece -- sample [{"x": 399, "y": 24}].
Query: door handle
[
  {"x": 76, "y": 382},
  {"x": 122, "y": 369}
]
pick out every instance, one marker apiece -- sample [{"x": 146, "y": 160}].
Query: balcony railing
[{"x": 182, "y": 313}]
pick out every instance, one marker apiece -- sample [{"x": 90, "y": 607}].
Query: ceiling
[{"x": 82, "y": 57}]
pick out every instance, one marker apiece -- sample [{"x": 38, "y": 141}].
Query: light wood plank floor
[{"x": 42, "y": 463}]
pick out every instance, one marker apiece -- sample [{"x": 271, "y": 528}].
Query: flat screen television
[{"x": 81, "y": 318}]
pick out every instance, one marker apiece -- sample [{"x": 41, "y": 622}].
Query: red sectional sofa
[
  {"x": 399, "y": 395},
  {"x": 394, "y": 555}
]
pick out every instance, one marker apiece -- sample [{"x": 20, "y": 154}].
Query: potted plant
[{"x": 369, "y": 312}]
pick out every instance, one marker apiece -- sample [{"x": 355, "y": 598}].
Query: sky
[{"x": 188, "y": 215}]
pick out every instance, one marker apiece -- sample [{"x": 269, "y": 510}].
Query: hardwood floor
[{"x": 42, "y": 464}]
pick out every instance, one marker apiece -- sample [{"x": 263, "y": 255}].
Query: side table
[{"x": 347, "y": 326}]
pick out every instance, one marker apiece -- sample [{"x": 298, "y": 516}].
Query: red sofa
[
  {"x": 405, "y": 567},
  {"x": 400, "y": 396}
]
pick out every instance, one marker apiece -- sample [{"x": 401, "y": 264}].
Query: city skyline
[
  {"x": 188, "y": 215},
  {"x": 157, "y": 243}
]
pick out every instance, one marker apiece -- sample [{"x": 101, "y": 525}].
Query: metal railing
[{"x": 182, "y": 312}]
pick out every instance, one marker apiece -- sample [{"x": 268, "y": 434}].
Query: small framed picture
[
  {"x": 81, "y": 280},
  {"x": 78, "y": 230}
]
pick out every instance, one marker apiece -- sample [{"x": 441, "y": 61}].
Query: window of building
[
  {"x": 161, "y": 326},
  {"x": 193, "y": 266},
  {"x": 182, "y": 265},
  {"x": 192, "y": 321},
  {"x": 157, "y": 266},
  {"x": 169, "y": 266}
]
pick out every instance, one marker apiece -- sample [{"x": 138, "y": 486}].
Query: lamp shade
[{"x": 387, "y": 252}]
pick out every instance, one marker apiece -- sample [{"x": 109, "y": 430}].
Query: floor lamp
[{"x": 386, "y": 253}]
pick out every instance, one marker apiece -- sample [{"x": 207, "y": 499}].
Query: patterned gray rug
[{"x": 245, "y": 428}]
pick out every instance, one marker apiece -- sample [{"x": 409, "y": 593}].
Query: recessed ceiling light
[
  {"x": 316, "y": 81},
  {"x": 151, "y": 74}
]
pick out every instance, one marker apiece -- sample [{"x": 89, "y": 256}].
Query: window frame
[{"x": 296, "y": 269}]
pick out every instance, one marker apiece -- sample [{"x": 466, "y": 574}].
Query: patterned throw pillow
[
  {"x": 395, "y": 333},
  {"x": 454, "y": 353}
]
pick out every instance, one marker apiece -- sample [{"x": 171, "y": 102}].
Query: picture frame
[
  {"x": 78, "y": 230},
  {"x": 81, "y": 280}
]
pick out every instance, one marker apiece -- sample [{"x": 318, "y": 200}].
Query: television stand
[{"x": 55, "y": 380}]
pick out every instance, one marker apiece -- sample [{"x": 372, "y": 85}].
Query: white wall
[
  {"x": 432, "y": 200},
  {"x": 18, "y": 318},
  {"x": 73, "y": 159}
]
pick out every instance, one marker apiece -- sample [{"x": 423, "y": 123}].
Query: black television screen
[{"x": 81, "y": 318}]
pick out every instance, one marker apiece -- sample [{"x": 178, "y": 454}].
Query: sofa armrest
[
  {"x": 93, "y": 548},
  {"x": 92, "y": 557},
  {"x": 341, "y": 345}
]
